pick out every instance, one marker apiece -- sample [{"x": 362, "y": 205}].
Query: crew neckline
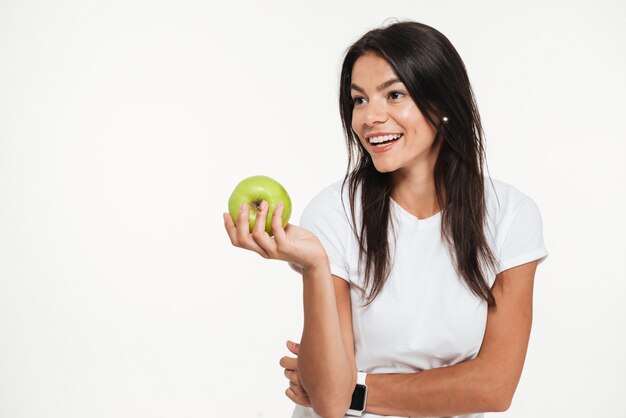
[{"x": 410, "y": 219}]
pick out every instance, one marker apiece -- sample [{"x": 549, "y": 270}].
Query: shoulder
[
  {"x": 515, "y": 225},
  {"x": 328, "y": 217},
  {"x": 329, "y": 194},
  {"x": 330, "y": 205},
  {"x": 503, "y": 192},
  {"x": 328, "y": 199},
  {"x": 505, "y": 202}
]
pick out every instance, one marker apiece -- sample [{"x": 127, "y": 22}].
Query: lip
[{"x": 381, "y": 150}]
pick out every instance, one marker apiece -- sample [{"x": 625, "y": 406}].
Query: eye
[
  {"x": 358, "y": 100},
  {"x": 395, "y": 95}
]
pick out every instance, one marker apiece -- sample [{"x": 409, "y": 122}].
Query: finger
[
  {"x": 243, "y": 222},
  {"x": 294, "y": 396},
  {"x": 293, "y": 377},
  {"x": 243, "y": 232},
  {"x": 277, "y": 224},
  {"x": 261, "y": 218},
  {"x": 290, "y": 363},
  {"x": 260, "y": 235},
  {"x": 293, "y": 347},
  {"x": 231, "y": 229},
  {"x": 291, "y": 395},
  {"x": 297, "y": 389},
  {"x": 300, "y": 400}
]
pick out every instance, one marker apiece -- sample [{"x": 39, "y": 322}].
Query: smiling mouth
[{"x": 383, "y": 140}]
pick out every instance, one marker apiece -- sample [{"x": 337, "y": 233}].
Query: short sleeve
[
  {"x": 523, "y": 239},
  {"x": 326, "y": 218}
]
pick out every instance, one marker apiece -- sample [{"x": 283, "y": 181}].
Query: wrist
[{"x": 320, "y": 264}]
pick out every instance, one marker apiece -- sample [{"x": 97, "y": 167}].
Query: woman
[{"x": 417, "y": 270}]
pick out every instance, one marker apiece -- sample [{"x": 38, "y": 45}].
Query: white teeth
[{"x": 383, "y": 138}]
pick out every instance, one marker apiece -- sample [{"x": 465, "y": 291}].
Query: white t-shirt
[{"x": 425, "y": 316}]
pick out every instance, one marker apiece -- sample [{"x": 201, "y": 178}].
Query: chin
[{"x": 385, "y": 168}]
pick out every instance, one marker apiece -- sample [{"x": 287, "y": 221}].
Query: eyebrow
[{"x": 383, "y": 86}]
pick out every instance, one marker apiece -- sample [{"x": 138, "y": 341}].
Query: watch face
[{"x": 358, "y": 398}]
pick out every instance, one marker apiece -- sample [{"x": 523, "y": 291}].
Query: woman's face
[{"x": 386, "y": 119}]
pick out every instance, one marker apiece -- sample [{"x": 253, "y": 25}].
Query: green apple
[{"x": 252, "y": 191}]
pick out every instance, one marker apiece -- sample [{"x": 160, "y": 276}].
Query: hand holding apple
[
  {"x": 254, "y": 190},
  {"x": 298, "y": 246}
]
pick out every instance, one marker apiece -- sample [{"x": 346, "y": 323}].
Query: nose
[{"x": 375, "y": 114}]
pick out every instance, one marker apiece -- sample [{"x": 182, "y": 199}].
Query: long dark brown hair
[{"x": 436, "y": 79}]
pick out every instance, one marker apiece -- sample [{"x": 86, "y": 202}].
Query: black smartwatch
[{"x": 359, "y": 396}]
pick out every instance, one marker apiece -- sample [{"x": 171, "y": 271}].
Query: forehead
[{"x": 371, "y": 68}]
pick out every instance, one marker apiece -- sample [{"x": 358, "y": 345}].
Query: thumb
[{"x": 293, "y": 347}]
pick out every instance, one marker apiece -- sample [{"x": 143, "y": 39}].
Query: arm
[
  {"x": 296, "y": 391},
  {"x": 326, "y": 365},
  {"x": 326, "y": 354},
  {"x": 484, "y": 384}
]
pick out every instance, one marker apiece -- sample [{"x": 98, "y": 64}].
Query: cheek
[
  {"x": 356, "y": 125},
  {"x": 411, "y": 118}
]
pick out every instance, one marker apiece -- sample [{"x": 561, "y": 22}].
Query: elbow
[
  {"x": 332, "y": 406},
  {"x": 497, "y": 387},
  {"x": 332, "y": 409},
  {"x": 499, "y": 398},
  {"x": 330, "y": 399},
  {"x": 330, "y": 413},
  {"x": 501, "y": 404}
]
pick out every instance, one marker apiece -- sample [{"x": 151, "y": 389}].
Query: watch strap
[
  {"x": 360, "y": 393},
  {"x": 360, "y": 378}
]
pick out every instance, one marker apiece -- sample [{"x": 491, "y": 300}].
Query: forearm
[
  {"x": 325, "y": 371},
  {"x": 468, "y": 387}
]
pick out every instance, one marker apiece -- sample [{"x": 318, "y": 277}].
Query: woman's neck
[{"x": 415, "y": 192}]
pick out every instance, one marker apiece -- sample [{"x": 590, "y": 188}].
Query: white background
[{"x": 124, "y": 126}]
